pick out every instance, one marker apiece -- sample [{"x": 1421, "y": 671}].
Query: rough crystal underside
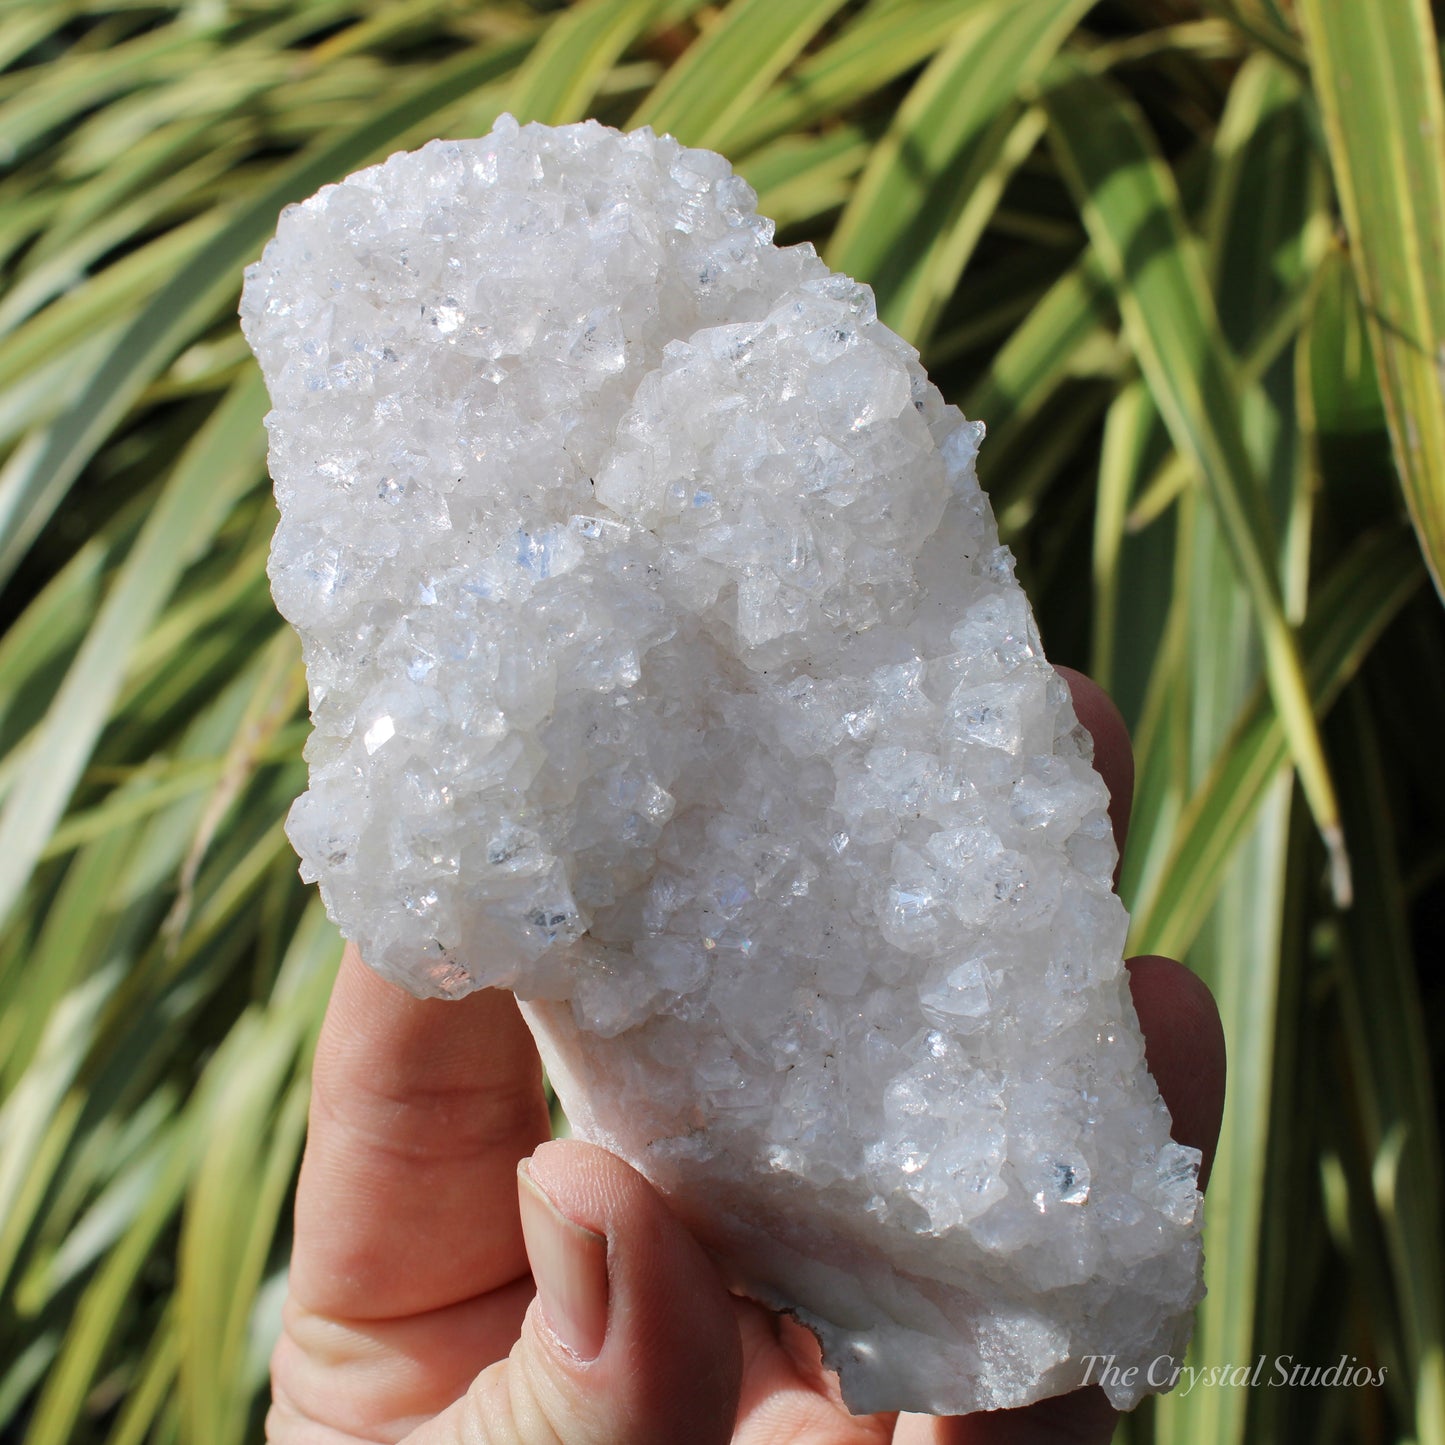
[{"x": 665, "y": 667}]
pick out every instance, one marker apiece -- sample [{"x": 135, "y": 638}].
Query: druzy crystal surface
[{"x": 666, "y": 669}]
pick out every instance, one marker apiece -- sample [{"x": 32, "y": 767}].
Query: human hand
[{"x": 441, "y": 1295}]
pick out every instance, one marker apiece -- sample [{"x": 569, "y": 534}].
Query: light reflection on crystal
[{"x": 380, "y": 732}]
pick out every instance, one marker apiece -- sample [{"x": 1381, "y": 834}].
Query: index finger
[
  {"x": 420, "y": 1111},
  {"x": 1113, "y": 752}
]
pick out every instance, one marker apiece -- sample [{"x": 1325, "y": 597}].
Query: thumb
[{"x": 631, "y": 1339}]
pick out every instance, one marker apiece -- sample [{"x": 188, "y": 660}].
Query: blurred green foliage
[{"x": 1184, "y": 258}]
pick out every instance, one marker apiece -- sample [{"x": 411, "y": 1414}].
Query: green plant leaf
[
  {"x": 1263, "y": 204},
  {"x": 256, "y": 1122},
  {"x": 913, "y": 220},
  {"x": 801, "y": 177},
  {"x": 558, "y": 80},
  {"x": 731, "y": 64},
  {"x": 154, "y": 1384},
  {"x": 1128, "y": 431},
  {"x": 1131, "y": 207},
  {"x": 106, "y": 1301},
  {"x": 1366, "y": 589},
  {"x": 1040, "y": 353},
  {"x": 1377, "y": 78},
  {"x": 882, "y": 43},
  {"x": 58, "y": 92},
  {"x": 223, "y": 461},
  {"x": 1384, "y": 1019},
  {"x": 1263, "y": 23}
]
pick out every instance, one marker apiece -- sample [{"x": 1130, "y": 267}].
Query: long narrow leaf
[
  {"x": 1384, "y": 1022},
  {"x": 557, "y": 82},
  {"x": 954, "y": 124},
  {"x": 1131, "y": 207},
  {"x": 1127, "y": 433},
  {"x": 1377, "y": 76},
  {"x": 105, "y": 1303},
  {"x": 881, "y": 44},
  {"x": 1031, "y": 364},
  {"x": 222, "y": 461},
  {"x": 1364, "y": 592},
  {"x": 734, "y": 61}
]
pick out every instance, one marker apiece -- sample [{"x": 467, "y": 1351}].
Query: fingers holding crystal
[
  {"x": 632, "y": 1336},
  {"x": 1113, "y": 753},
  {"x": 1184, "y": 1045},
  {"x": 419, "y": 1114},
  {"x": 1183, "y": 1036},
  {"x": 614, "y": 656}
]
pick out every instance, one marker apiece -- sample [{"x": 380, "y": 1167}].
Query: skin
[{"x": 413, "y": 1313}]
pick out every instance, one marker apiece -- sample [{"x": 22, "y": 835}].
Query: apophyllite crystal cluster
[{"x": 666, "y": 669}]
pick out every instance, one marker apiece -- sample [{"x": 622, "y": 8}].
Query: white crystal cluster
[{"x": 666, "y": 668}]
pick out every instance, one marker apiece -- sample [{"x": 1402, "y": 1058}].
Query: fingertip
[
  {"x": 569, "y": 1267},
  {"x": 667, "y": 1356},
  {"x": 1185, "y": 1047},
  {"x": 420, "y": 1108},
  {"x": 585, "y": 1182},
  {"x": 1113, "y": 752}
]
